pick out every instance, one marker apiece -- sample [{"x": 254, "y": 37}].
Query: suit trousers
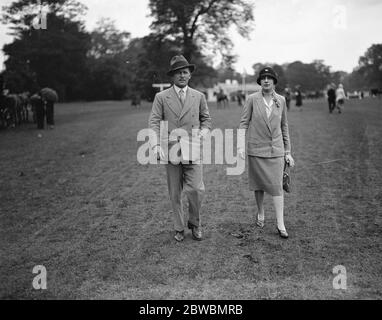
[
  {"x": 332, "y": 104},
  {"x": 50, "y": 113},
  {"x": 40, "y": 114},
  {"x": 187, "y": 178}
]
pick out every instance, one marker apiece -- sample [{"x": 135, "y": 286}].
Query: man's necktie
[{"x": 182, "y": 97}]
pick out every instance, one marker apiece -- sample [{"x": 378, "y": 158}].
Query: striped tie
[{"x": 181, "y": 97}]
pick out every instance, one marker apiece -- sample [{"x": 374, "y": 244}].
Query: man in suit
[
  {"x": 331, "y": 94},
  {"x": 38, "y": 110},
  {"x": 186, "y": 112}
]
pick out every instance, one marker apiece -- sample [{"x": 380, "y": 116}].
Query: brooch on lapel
[{"x": 276, "y": 102}]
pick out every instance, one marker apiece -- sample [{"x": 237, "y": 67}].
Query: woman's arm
[
  {"x": 246, "y": 114},
  {"x": 285, "y": 129}
]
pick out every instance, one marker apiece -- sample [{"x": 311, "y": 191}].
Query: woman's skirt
[{"x": 266, "y": 174}]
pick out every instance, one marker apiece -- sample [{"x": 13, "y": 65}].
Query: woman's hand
[{"x": 290, "y": 160}]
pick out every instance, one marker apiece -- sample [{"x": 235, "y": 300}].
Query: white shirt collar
[
  {"x": 177, "y": 89},
  {"x": 266, "y": 103}
]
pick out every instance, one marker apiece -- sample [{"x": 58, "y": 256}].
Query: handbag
[{"x": 286, "y": 177}]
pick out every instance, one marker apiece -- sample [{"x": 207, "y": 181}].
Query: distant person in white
[{"x": 340, "y": 97}]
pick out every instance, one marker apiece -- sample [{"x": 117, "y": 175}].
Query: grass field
[{"x": 77, "y": 202}]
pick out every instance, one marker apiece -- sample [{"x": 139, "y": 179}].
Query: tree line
[{"x": 108, "y": 64}]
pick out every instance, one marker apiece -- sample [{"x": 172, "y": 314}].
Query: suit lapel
[
  {"x": 188, "y": 103},
  {"x": 261, "y": 106},
  {"x": 275, "y": 111},
  {"x": 272, "y": 113},
  {"x": 173, "y": 101}
]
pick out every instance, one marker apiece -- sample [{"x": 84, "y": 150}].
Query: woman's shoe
[
  {"x": 282, "y": 233},
  {"x": 260, "y": 223},
  {"x": 179, "y": 236}
]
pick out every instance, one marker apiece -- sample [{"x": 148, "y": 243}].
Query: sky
[{"x": 336, "y": 31}]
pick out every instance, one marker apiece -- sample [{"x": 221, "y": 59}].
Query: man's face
[
  {"x": 181, "y": 77},
  {"x": 267, "y": 83}
]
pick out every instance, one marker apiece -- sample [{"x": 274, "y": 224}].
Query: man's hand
[
  {"x": 289, "y": 159},
  {"x": 241, "y": 153},
  {"x": 158, "y": 151},
  {"x": 203, "y": 133}
]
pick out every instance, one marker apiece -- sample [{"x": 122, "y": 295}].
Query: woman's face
[{"x": 267, "y": 83}]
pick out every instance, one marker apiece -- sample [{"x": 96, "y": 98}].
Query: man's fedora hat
[
  {"x": 267, "y": 71},
  {"x": 179, "y": 62}
]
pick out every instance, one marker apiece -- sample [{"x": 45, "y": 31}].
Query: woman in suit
[
  {"x": 340, "y": 97},
  {"x": 264, "y": 117}
]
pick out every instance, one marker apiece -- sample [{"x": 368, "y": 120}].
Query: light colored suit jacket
[
  {"x": 167, "y": 107},
  {"x": 266, "y": 137}
]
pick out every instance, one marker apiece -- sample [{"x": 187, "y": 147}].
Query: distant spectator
[
  {"x": 240, "y": 98},
  {"x": 340, "y": 97},
  {"x": 298, "y": 96},
  {"x": 331, "y": 93},
  {"x": 50, "y": 97},
  {"x": 287, "y": 95},
  {"x": 136, "y": 100},
  {"x": 38, "y": 109}
]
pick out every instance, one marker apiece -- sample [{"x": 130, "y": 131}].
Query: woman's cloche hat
[{"x": 267, "y": 71}]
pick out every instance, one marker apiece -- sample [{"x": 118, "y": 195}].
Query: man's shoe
[
  {"x": 196, "y": 232},
  {"x": 179, "y": 236},
  {"x": 282, "y": 233}
]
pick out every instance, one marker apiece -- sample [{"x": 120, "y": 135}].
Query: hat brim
[
  {"x": 190, "y": 66},
  {"x": 266, "y": 74}
]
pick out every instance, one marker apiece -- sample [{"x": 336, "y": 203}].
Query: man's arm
[
  {"x": 285, "y": 129},
  {"x": 156, "y": 116},
  {"x": 204, "y": 114}
]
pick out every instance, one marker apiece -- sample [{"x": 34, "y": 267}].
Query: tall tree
[
  {"x": 107, "y": 62},
  {"x": 107, "y": 40},
  {"x": 354, "y": 81},
  {"x": 149, "y": 59},
  {"x": 370, "y": 66},
  {"x": 201, "y": 25},
  {"x": 310, "y": 76},
  {"x": 368, "y": 74},
  {"x": 55, "y": 56},
  {"x": 282, "y": 81},
  {"x": 148, "y": 63}
]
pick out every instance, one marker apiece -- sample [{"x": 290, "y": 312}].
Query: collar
[
  {"x": 265, "y": 101},
  {"x": 177, "y": 89}
]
